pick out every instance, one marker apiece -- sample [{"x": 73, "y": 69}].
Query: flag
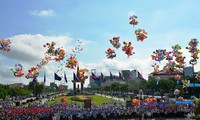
[
  {"x": 140, "y": 75},
  {"x": 102, "y": 77},
  {"x": 94, "y": 77},
  {"x": 75, "y": 77},
  {"x": 121, "y": 76},
  {"x": 44, "y": 77},
  {"x": 34, "y": 80},
  {"x": 129, "y": 76},
  {"x": 65, "y": 77},
  {"x": 111, "y": 76},
  {"x": 57, "y": 77}
]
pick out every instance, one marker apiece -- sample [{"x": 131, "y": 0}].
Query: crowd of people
[{"x": 72, "y": 111}]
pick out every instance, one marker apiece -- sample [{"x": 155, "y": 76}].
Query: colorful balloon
[
  {"x": 60, "y": 55},
  {"x": 128, "y": 48},
  {"x": 177, "y": 77},
  {"x": 186, "y": 84},
  {"x": 17, "y": 70},
  {"x": 198, "y": 76},
  {"x": 141, "y": 34},
  {"x": 43, "y": 62},
  {"x": 32, "y": 73},
  {"x": 133, "y": 20},
  {"x": 115, "y": 42},
  {"x": 175, "y": 50},
  {"x": 5, "y": 45},
  {"x": 136, "y": 102},
  {"x": 81, "y": 74},
  {"x": 110, "y": 53},
  {"x": 176, "y": 92},
  {"x": 170, "y": 67},
  {"x": 71, "y": 62},
  {"x": 159, "y": 55},
  {"x": 156, "y": 68},
  {"x": 194, "y": 51},
  {"x": 51, "y": 48},
  {"x": 149, "y": 100}
]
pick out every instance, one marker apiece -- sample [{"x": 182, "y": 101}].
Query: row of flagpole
[
  {"x": 94, "y": 77},
  {"x": 56, "y": 77}
]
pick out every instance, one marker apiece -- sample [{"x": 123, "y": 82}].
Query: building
[
  {"x": 53, "y": 85},
  {"x": 127, "y": 74},
  {"x": 20, "y": 85},
  {"x": 187, "y": 71}
]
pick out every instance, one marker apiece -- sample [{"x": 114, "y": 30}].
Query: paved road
[{"x": 114, "y": 98}]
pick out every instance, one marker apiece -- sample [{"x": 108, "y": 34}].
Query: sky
[{"x": 30, "y": 24}]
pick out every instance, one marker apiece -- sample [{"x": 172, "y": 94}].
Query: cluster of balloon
[
  {"x": 158, "y": 79},
  {"x": 149, "y": 100},
  {"x": 186, "y": 84},
  {"x": 136, "y": 102},
  {"x": 180, "y": 98},
  {"x": 57, "y": 54},
  {"x": 180, "y": 61},
  {"x": 194, "y": 51},
  {"x": 71, "y": 62},
  {"x": 110, "y": 53},
  {"x": 17, "y": 70},
  {"x": 5, "y": 45},
  {"x": 61, "y": 88},
  {"x": 141, "y": 34},
  {"x": 64, "y": 100},
  {"x": 133, "y": 20},
  {"x": 33, "y": 73},
  {"x": 177, "y": 77},
  {"x": 175, "y": 50},
  {"x": 178, "y": 56},
  {"x": 159, "y": 55},
  {"x": 198, "y": 76},
  {"x": 156, "y": 68},
  {"x": 43, "y": 62},
  {"x": 194, "y": 99},
  {"x": 170, "y": 67},
  {"x": 128, "y": 48},
  {"x": 176, "y": 92},
  {"x": 115, "y": 42},
  {"x": 81, "y": 74},
  {"x": 60, "y": 55},
  {"x": 51, "y": 48}
]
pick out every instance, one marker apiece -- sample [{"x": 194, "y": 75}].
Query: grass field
[{"x": 97, "y": 100}]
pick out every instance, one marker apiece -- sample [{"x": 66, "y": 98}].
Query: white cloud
[
  {"x": 28, "y": 50},
  {"x": 43, "y": 13}
]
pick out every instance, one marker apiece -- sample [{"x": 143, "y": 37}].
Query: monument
[{"x": 76, "y": 79}]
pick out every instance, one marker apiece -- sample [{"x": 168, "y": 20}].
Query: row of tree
[
  {"x": 164, "y": 86},
  {"x": 7, "y": 91}
]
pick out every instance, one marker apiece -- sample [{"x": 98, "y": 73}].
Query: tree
[{"x": 39, "y": 87}]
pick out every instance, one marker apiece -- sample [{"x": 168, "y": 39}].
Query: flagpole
[
  {"x": 101, "y": 84},
  {"x": 54, "y": 77}
]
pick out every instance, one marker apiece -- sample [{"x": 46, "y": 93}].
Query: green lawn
[{"x": 98, "y": 100}]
